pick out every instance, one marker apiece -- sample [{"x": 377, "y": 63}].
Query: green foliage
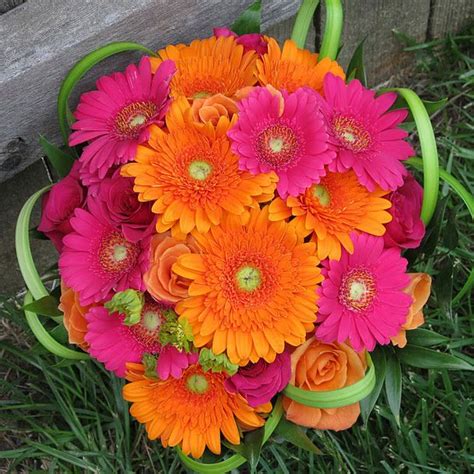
[
  {"x": 177, "y": 332},
  {"x": 356, "y": 69},
  {"x": 61, "y": 161},
  {"x": 216, "y": 363},
  {"x": 249, "y": 20},
  {"x": 296, "y": 435},
  {"x": 130, "y": 303},
  {"x": 149, "y": 362},
  {"x": 47, "y": 306}
]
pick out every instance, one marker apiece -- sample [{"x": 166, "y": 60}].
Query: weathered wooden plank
[
  {"x": 42, "y": 39},
  {"x": 7, "y": 5},
  {"x": 449, "y": 16},
  {"x": 375, "y": 19}
]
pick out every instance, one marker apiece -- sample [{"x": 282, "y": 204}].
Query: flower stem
[
  {"x": 332, "y": 30},
  {"x": 303, "y": 21}
]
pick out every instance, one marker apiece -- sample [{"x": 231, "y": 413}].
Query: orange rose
[
  {"x": 211, "y": 109},
  {"x": 160, "y": 280},
  {"x": 419, "y": 289},
  {"x": 318, "y": 366},
  {"x": 74, "y": 316}
]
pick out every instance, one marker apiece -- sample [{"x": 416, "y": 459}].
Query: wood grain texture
[
  {"x": 450, "y": 16},
  {"x": 7, "y": 5},
  {"x": 42, "y": 39},
  {"x": 375, "y": 19}
]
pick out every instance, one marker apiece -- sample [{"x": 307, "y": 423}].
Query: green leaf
[
  {"x": 433, "y": 231},
  {"x": 429, "y": 151},
  {"x": 249, "y": 20},
  {"x": 217, "y": 363},
  {"x": 295, "y": 435},
  {"x": 451, "y": 236},
  {"x": 425, "y": 338},
  {"x": 47, "y": 306},
  {"x": 81, "y": 68},
  {"x": 252, "y": 445},
  {"x": 443, "y": 286},
  {"x": 393, "y": 386},
  {"x": 424, "y": 358},
  {"x": 61, "y": 161},
  {"x": 130, "y": 303},
  {"x": 368, "y": 403},
  {"x": 356, "y": 69}
]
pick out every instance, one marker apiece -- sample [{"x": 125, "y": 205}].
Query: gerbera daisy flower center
[
  {"x": 248, "y": 278},
  {"x": 357, "y": 290},
  {"x": 197, "y": 383},
  {"x": 321, "y": 193},
  {"x": 199, "y": 170},
  {"x": 277, "y": 145},
  {"x": 351, "y": 133},
  {"x": 131, "y": 118},
  {"x": 146, "y": 331},
  {"x": 116, "y": 254}
]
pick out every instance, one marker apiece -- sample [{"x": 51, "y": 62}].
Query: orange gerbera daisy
[
  {"x": 332, "y": 209},
  {"x": 293, "y": 67},
  {"x": 193, "y": 176},
  {"x": 253, "y": 288},
  {"x": 191, "y": 411},
  {"x": 209, "y": 66}
]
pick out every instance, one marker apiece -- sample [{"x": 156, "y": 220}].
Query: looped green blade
[
  {"x": 335, "y": 398},
  {"x": 78, "y": 71},
  {"x": 33, "y": 281}
]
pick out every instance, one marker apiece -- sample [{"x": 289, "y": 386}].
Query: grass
[{"x": 62, "y": 417}]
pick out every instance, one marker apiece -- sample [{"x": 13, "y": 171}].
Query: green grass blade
[
  {"x": 332, "y": 29},
  {"x": 23, "y": 252},
  {"x": 335, "y": 398},
  {"x": 249, "y": 21},
  {"x": 303, "y": 21},
  {"x": 78, "y": 71},
  {"x": 429, "y": 151},
  {"x": 46, "y": 340}
]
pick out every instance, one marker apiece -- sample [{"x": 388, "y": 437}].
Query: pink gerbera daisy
[
  {"x": 362, "y": 297},
  {"x": 284, "y": 133},
  {"x": 114, "y": 119},
  {"x": 97, "y": 258},
  {"x": 364, "y": 134},
  {"x": 172, "y": 362},
  {"x": 114, "y": 343}
]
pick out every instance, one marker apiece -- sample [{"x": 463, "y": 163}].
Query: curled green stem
[
  {"x": 332, "y": 29},
  {"x": 303, "y": 22}
]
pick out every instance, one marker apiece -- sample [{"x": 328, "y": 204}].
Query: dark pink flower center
[
  {"x": 351, "y": 133},
  {"x": 147, "y": 331},
  {"x": 357, "y": 290},
  {"x": 116, "y": 254},
  {"x": 277, "y": 146},
  {"x": 130, "y": 121}
]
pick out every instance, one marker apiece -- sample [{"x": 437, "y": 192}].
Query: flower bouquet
[{"x": 230, "y": 225}]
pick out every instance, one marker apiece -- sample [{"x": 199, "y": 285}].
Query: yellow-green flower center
[
  {"x": 321, "y": 193},
  {"x": 151, "y": 320},
  {"x": 137, "y": 120},
  {"x": 199, "y": 170},
  {"x": 120, "y": 253},
  {"x": 276, "y": 144},
  {"x": 197, "y": 383},
  {"x": 248, "y": 278}
]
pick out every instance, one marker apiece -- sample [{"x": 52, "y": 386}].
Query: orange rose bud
[
  {"x": 419, "y": 289},
  {"x": 160, "y": 280},
  {"x": 319, "y": 366},
  {"x": 211, "y": 109},
  {"x": 74, "y": 316}
]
